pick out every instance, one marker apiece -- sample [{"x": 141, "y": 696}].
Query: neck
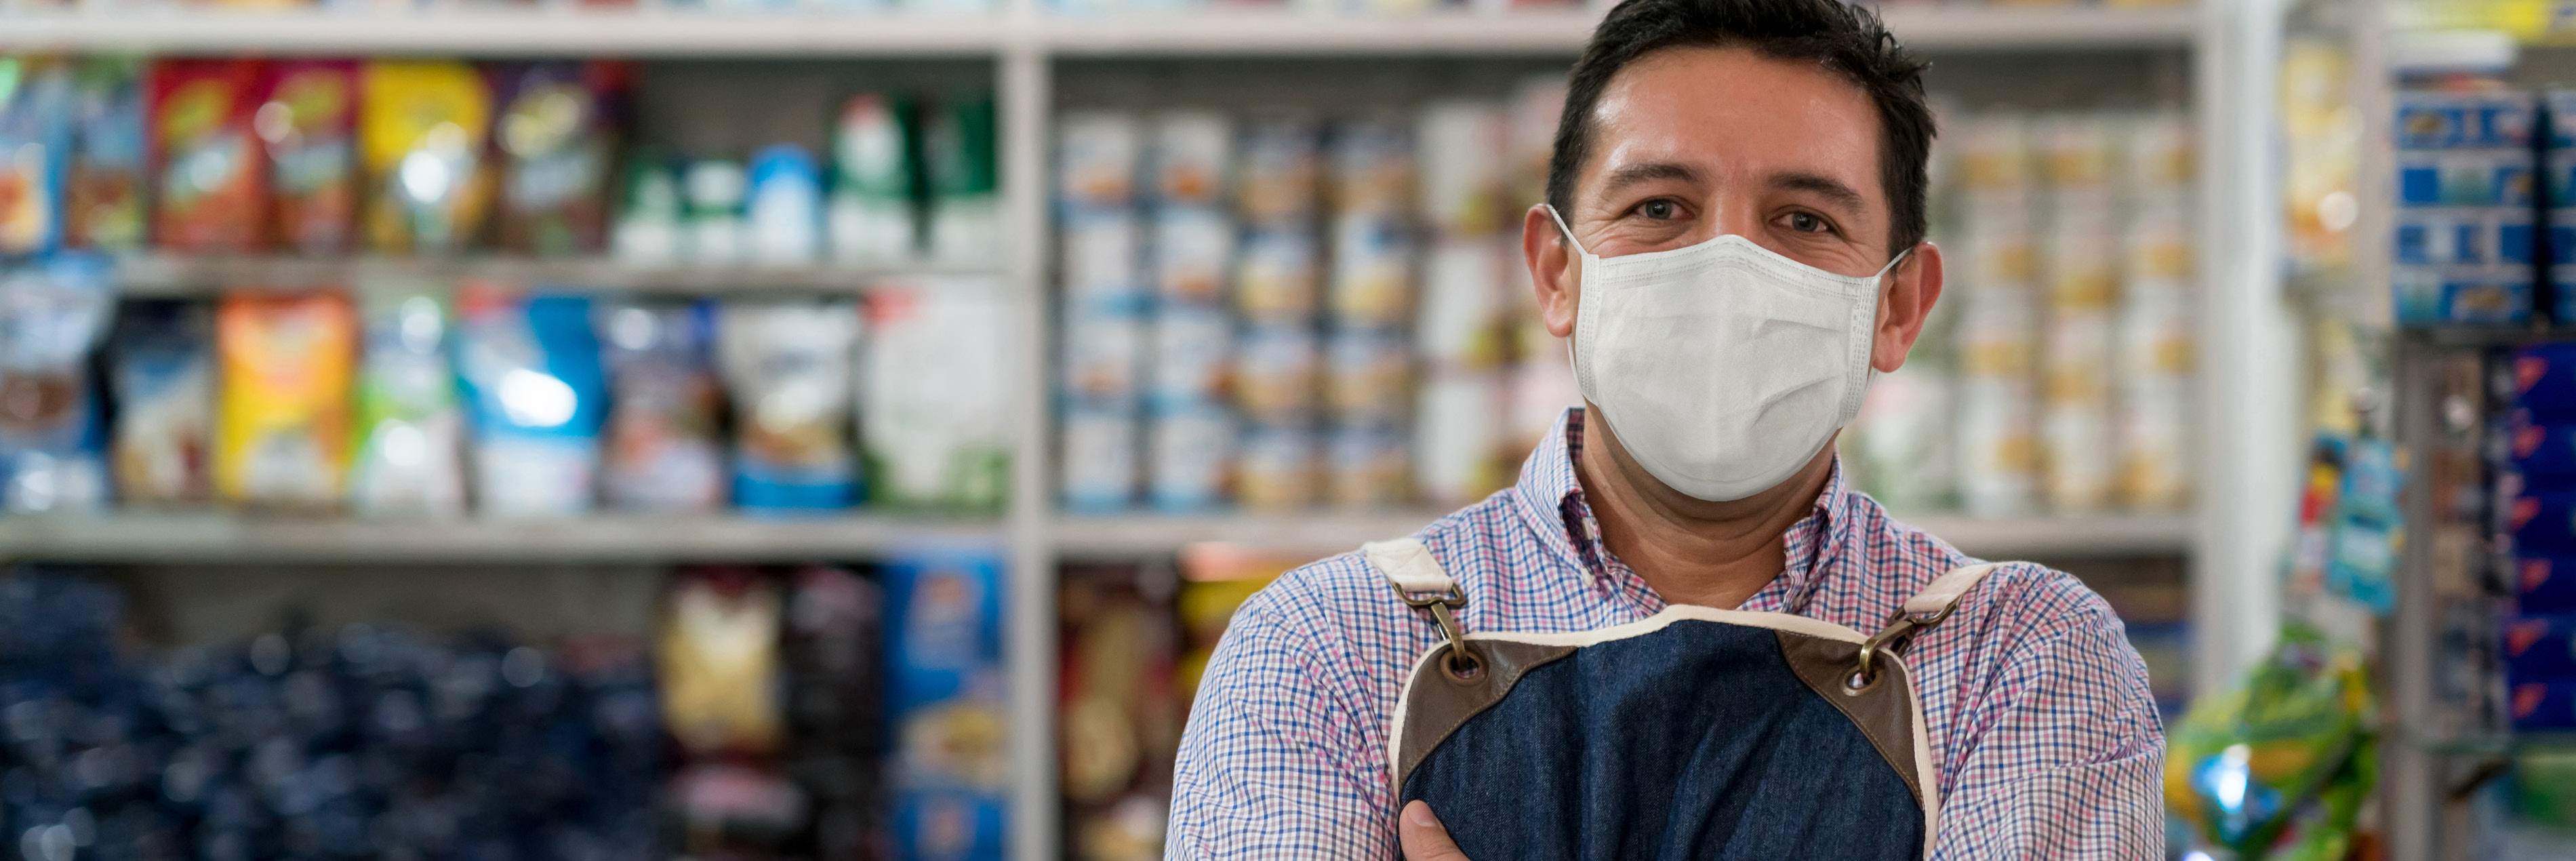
[{"x": 1689, "y": 550}]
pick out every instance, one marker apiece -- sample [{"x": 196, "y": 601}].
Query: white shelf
[
  {"x": 183, "y": 275},
  {"x": 215, "y": 537},
  {"x": 498, "y": 33},
  {"x": 1132, "y": 536}
]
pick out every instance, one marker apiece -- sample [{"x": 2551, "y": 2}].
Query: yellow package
[
  {"x": 282, "y": 427},
  {"x": 718, "y": 662},
  {"x": 423, "y": 128}
]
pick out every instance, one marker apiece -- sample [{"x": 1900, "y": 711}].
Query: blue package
[
  {"x": 2544, "y": 379},
  {"x": 2562, "y": 237},
  {"x": 2516, "y": 239},
  {"x": 2545, "y": 454},
  {"x": 2481, "y": 296},
  {"x": 52, "y": 448},
  {"x": 2539, "y": 588},
  {"x": 946, "y": 695},
  {"x": 2504, "y": 119},
  {"x": 2543, "y": 706},
  {"x": 2431, "y": 120},
  {"x": 536, "y": 398},
  {"x": 790, "y": 368},
  {"x": 2542, "y": 523},
  {"x": 2538, "y": 647},
  {"x": 2419, "y": 180},
  {"x": 2514, "y": 184},
  {"x": 36, "y": 113}
]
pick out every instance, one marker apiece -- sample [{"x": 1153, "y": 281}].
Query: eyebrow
[
  {"x": 1647, "y": 171},
  {"x": 1833, "y": 189}
]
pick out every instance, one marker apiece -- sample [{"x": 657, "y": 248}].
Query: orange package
[
  {"x": 209, "y": 174},
  {"x": 282, "y": 423}
]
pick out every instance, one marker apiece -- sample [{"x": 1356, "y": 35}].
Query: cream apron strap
[
  {"x": 1926, "y": 609},
  {"x": 1944, "y": 592},
  {"x": 1407, "y": 566}
]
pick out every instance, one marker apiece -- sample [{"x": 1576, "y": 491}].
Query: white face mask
[{"x": 1722, "y": 367}]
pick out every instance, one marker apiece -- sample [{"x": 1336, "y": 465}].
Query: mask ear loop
[{"x": 1568, "y": 231}]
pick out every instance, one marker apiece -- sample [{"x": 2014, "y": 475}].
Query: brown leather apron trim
[
  {"x": 1884, "y": 712},
  {"x": 1436, "y": 704}
]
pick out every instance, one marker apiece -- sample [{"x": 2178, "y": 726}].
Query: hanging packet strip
[
  {"x": 161, "y": 370},
  {"x": 2368, "y": 525},
  {"x": 104, "y": 204},
  {"x": 410, "y": 429},
  {"x": 538, "y": 397},
  {"x": 52, "y": 314},
  {"x": 210, "y": 184},
  {"x": 36, "y": 102}
]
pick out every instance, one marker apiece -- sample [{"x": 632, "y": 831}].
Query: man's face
[{"x": 1692, "y": 143}]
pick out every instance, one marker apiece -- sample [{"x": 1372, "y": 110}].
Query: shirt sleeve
[
  {"x": 2068, "y": 755},
  {"x": 1277, "y": 761}
]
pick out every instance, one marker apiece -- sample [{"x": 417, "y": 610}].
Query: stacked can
[
  {"x": 1998, "y": 470},
  {"x": 1190, "y": 440},
  {"x": 1368, "y": 356},
  {"x": 1458, "y": 337},
  {"x": 1105, "y": 311},
  {"x": 2464, "y": 248},
  {"x": 2559, "y": 160},
  {"x": 1277, "y": 280},
  {"x": 2154, "y": 340},
  {"x": 2079, "y": 271}
]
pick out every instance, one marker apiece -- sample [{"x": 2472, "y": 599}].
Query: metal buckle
[
  {"x": 1458, "y": 662},
  {"x": 1892, "y": 639}
]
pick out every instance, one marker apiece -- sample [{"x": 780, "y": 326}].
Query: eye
[
  {"x": 1807, "y": 222},
  {"x": 1658, "y": 210}
]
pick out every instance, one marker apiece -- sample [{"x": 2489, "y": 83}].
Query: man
[{"x": 1800, "y": 127}]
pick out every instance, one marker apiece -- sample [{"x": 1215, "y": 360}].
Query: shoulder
[{"x": 1345, "y": 592}]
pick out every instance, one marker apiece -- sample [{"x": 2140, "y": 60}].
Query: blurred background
[{"x": 749, "y": 429}]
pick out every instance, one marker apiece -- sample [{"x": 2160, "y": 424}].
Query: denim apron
[{"x": 1696, "y": 733}]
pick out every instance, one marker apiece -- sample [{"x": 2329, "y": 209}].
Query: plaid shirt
[{"x": 2044, "y": 738}]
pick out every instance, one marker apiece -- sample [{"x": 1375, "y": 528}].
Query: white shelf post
[{"x": 1026, "y": 95}]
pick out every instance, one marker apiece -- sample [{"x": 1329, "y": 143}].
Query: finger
[{"x": 1423, "y": 837}]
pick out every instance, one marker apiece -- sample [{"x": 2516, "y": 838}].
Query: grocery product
[
  {"x": 161, "y": 373},
  {"x": 210, "y": 185},
  {"x": 1193, "y": 246},
  {"x": 1462, "y": 183},
  {"x": 714, "y": 229},
  {"x": 871, "y": 218},
  {"x": 36, "y": 112},
  {"x": 282, "y": 425},
  {"x": 1367, "y": 376},
  {"x": 1192, "y": 356},
  {"x": 932, "y": 379},
  {"x": 104, "y": 206},
  {"x": 1193, "y": 154},
  {"x": 647, "y": 233},
  {"x": 788, "y": 367},
  {"x": 661, "y": 451},
  {"x": 2465, "y": 237},
  {"x": 1460, "y": 322},
  {"x": 1277, "y": 171},
  {"x": 1119, "y": 721},
  {"x": 1277, "y": 468},
  {"x": 52, "y": 441},
  {"x": 784, "y": 209},
  {"x": 1097, "y": 154},
  {"x": 307, "y": 124},
  {"x": 1367, "y": 466},
  {"x": 410, "y": 445},
  {"x": 1277, "y": 370},
  {"x": 1099, "y": 457},
  {"x": 716, "y": 661},
  {"x": 1189, "y": 457},
  {"x": 536, "y": 399},
  {"x": 834, "y": 651},
  {"x": 1104, "y": 354},
  {"x": 944, "y": 670},
  {"x": 423, "y": 127},
  {"x": 961, "y": 160},
  {"x": 1276, "y": 277},
  {"x": 556, "y": 138},
  {"x": 2280, "y": 763}
]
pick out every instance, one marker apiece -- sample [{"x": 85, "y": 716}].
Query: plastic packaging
[
  {"x": 662, "y": 451},
  {"x": 556, "y": 137},
  {"x": 946, "y": 676},
  {"x": 410, "y": 444},
  {"x": 422, "y": 130},
  {"x": 36, "y": 113},
  {"x": 717, "y": 663},
  {"x": 648, "y": 224},
  {"x": 784, "y": 212},
  {"x": 961, "y": 158},
  {"x": 934, "y": 376},
  {"x": 713, "y": 192},
  {"x": 788, "y": 366},
  {"x": 210, "y": 192},
  {"x": 871, "y": 207},
  {"x": 2278, "y": 765},
  {"x": 161, "y": 372},
  {"x": 52, "y": 440},
  {"x": 537, "y": 399},
  {"x": 307, "y": 122},
  {"x": 105, "y": 202},
  {"x": 283, "y": 422}
]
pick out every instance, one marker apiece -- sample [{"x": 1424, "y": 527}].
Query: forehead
[{"x": 1736, "y": 113}]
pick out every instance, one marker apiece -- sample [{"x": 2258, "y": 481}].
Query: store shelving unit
[{"x": 2221, "y": 538}]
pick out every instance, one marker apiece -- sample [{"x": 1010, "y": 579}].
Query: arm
[
  {"x": 1278, "y": 761},
  {"x": 2067, "y": 757}
]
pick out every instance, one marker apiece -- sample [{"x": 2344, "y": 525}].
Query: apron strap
[
  {"x": 1926, "y": 609},
  {"x": 1421, "y": 583}
]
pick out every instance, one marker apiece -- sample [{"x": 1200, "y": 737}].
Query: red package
[
  {"x": 209, "y": 173},
  {"x": 308, "y": 123}
]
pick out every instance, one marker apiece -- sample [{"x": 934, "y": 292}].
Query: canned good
[
  {"x": 1191, "y": 150},
  {"x": 1190, "y": 453},
  {"x": 1099, "y": 459},
  {"x": 1367, "y": 466},
  {"x": 1372, "y": 271},
  {"x": 1193, "y": 356},
  {"x": 1275, "y": 278},
  {"x": 1367, "y": 375},
  {"x": 1193, "y": 245},
  {"x": 1275, "y": 373},
  {"x": 1275, "y": 469}
]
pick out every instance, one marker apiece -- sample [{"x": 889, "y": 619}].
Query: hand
[{"x": 1423, "y": 837}]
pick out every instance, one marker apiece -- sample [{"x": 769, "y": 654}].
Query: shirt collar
[{"x": 1552, "y": 504}]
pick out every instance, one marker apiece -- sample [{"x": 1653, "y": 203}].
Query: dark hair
[{"x": 1848, "y": 40}]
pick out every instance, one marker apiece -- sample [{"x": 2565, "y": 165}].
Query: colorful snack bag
[
  {"x": 788, "y": 367},
  {"x": 51, "y": 316},
  {"x": 105, "y": 202},
  {"x": 422, "y": 129},
  {"x": 161, "y": 371},
  {"x": 946, "y": 680},
  {"x": 537, "y": 398},
  {"x": 717, "y": 662},
  {"x": 211, "y": 187},
  {"x": 935, "y": 366},
  {"x": 662, "y": 449},
  {"x": 308, "y": 122},
  {"x": 410, "y": 431},
  {"x": 557, "y": 135},
  {"x": 35, "y": 138},
  {"x": 282, "y": 424}
]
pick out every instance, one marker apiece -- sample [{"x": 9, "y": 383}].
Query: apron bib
[{"x": 1696, "y": 733}]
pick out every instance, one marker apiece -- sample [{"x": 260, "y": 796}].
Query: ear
[
  {"x": 1902, "y": 307},
  {"x": 1556, "y": 271}
]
